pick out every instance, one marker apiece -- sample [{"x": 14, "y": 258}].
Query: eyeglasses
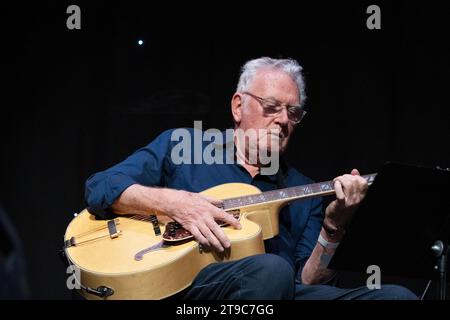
[{"x": 273, "y": 108}]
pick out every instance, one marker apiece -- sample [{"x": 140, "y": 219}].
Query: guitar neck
[{"x": 287, "y": 194}]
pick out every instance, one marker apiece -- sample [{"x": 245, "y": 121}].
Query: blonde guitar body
[
  {"x": 141, "y": 257},
  {"x": 109, "y": 259}
]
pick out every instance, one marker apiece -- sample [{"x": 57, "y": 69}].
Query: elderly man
[{"x": 269, "y": 99}]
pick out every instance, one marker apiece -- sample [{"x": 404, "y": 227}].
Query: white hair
[{"x": 289, "y": 66}]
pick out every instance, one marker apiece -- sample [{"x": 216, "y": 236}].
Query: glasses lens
[
  {"x": 271, "y": 108},
  {"x": 296, "y": 114}
]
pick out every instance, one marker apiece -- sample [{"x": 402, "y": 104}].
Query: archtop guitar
[{"x": 142, "y": 257}]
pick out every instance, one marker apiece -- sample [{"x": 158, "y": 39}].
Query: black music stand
[{"x": 402, "y": 225}]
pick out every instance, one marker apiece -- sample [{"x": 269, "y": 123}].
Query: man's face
[{"x": 248, "y": 112}]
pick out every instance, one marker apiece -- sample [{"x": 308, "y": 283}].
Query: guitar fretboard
[{"x": 286, "y": 194}]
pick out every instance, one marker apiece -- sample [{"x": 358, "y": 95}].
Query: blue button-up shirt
[{"x": 153, "y": 165}]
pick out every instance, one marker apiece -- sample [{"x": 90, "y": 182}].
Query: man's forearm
[
  {"x": 315, "y": 270},
  {"x": 138, "y": 199}
]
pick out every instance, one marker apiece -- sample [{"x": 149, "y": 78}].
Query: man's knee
[
  {"x": 273, "y": 265},
  {"x": 273, "y": 273},
  {"x": 395, "y": 292}
]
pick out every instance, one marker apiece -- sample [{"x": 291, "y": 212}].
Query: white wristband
[{"x": 327, "y": 244}]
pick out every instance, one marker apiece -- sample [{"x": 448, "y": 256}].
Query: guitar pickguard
[{"x": 175, "y": 232}]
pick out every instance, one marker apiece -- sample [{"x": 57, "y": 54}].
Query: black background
[{"x": 78, "y": 101}]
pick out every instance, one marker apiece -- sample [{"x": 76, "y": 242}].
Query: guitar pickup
[
  {"x": 112, "y": 228},
  {"x": 155, "y": 223}
]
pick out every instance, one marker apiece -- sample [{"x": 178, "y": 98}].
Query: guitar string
[
  {"x": 133, "y": 217},
  {"x": 145, "y": 218},
  {"x": 150, "y": 218},
  {"x": 137, "y": 217}
]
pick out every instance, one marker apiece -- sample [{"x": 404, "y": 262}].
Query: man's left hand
[{"x": 350, "y": 191}]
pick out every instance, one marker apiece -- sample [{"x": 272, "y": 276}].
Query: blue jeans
[{"x": 268, "y": 276}]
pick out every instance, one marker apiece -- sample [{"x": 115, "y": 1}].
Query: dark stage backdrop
[{"x": 78, "y": 101}]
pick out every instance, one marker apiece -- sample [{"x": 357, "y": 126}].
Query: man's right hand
[{"x": 197, "y": 214}]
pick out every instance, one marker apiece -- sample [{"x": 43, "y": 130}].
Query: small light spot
[{"x": 140, "y": 42}]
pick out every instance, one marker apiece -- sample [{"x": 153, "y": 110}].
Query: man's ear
[{"x": 236, "y": 107}]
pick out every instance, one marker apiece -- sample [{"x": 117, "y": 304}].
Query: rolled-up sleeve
[{"x": 147, "y": 166}]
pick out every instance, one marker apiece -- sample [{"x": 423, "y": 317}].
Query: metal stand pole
[{"x": 441, "y": 252}]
